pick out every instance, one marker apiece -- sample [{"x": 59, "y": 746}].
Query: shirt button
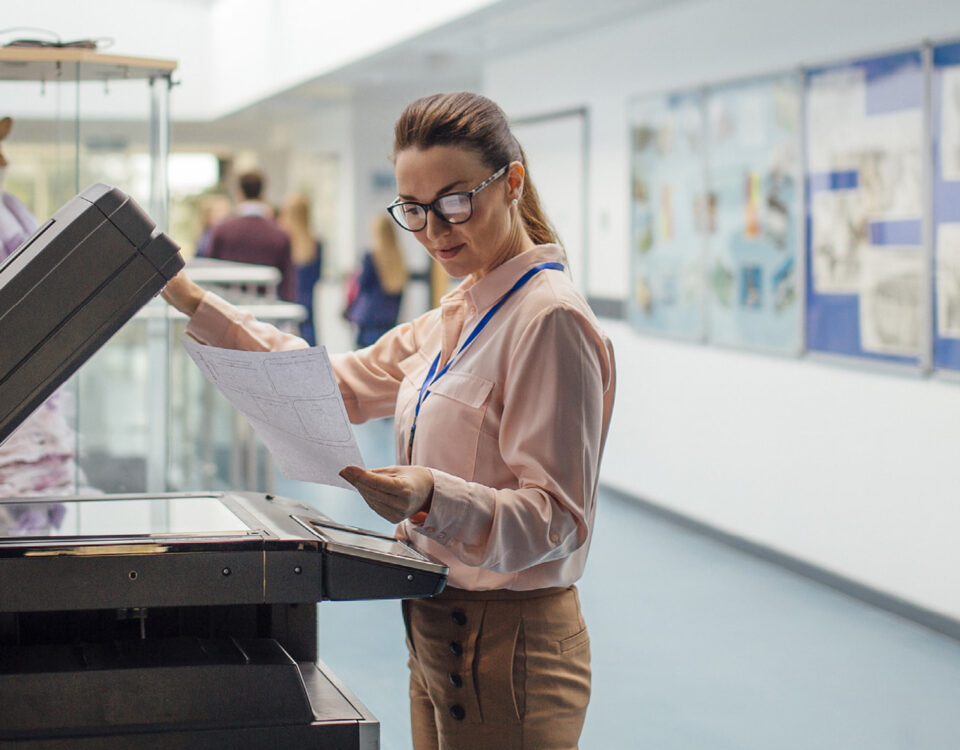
[
  {"x": 457, "y": 712},
  {"x": 441, "y": 536},
  {"x": 455, "y": 680},
  {"x": 555, "y": 538},
  {"x": 430, "y": 529},
  {"x": 459, "y": 616},
  {"x": 456, "y": 649}
]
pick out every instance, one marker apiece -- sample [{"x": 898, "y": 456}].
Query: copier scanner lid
[{"x": 69, "y": 288}]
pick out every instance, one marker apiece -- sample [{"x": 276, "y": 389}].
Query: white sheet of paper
[{"x": 292, "y": 401}]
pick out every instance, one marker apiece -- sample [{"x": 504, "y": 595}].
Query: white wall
[
  {"x": 852, "y": 470},
  {"x": 328, "y": 131},
  {"x": 554, "y": 151}
]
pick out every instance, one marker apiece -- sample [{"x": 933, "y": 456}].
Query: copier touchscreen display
[
  {"x": 121, "y": 517},
  {"x": 366, "y": 541}
]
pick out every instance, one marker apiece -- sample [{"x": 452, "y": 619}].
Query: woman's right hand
[
  {"x": 394, "y": 492},
  {"x": 183, "y": 293}
]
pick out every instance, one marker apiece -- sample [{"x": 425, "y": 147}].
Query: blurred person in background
[
  {"x": 307, "y": 253},
  {"x": 252, "y": 235},
  {"x": 214, "y": 208},
  {"x": 375, "y": 305}
]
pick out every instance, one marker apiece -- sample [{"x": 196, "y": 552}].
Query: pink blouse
[{"x": 513, "y": 432}]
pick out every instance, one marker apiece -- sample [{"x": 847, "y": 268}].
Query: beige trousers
[{"x": 498, "y": 669}]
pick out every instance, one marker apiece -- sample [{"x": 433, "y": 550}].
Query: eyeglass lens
[{"x": 455, "y": 208}]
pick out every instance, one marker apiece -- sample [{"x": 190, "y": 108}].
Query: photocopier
[{"x": 172, "y": 620}]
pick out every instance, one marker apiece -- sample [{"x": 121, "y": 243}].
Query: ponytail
[{"x": 535, "y": 221}]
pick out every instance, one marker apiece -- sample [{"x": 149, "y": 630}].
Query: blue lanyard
[{"x": 431, "y": 378}]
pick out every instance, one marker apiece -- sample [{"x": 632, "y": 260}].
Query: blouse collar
[{"x": 483, "y": 293}]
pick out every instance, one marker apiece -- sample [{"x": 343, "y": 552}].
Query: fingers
[
  {"x": 385, "y": 480},
  {"x": 385, "y": 495},
  {"x": 394, "y": 492},
  {"x": 352, "y": 474},
  {"x": 183, "y": 293}
]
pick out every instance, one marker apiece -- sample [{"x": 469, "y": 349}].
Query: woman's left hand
[{"x": 394, "y": 492}]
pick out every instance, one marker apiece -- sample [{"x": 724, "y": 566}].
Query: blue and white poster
[
  {"x": 667, "y": 205},
  {"x": 866, "y": 292},
  {"x": 946, "y": 206},
  {"x": 753, "y": 214}
]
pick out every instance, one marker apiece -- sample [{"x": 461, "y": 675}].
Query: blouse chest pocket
[
  {"x": 414, "y": 369},
  {"x": 448, "y": 429}
]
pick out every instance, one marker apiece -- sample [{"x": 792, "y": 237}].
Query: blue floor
[{"x": 696, "y": 646}]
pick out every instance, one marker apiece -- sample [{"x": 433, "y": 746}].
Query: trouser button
[
  {"x": 459, "y": 616},
  {"x": 455, "y": 648},
  {"x": 457, "y": 712},
  {"x": 455, "y": 679}
]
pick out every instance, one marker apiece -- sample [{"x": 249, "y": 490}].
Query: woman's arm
[
  {"x": 183, "y": 293},
  {"x": 216, "y": 322}
]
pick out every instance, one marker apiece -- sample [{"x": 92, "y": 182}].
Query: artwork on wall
[
  {"x": 753, "y": 266},
  {"x": 945, "y": 124},
  {"x": 866, "y": 291},
  {"x": 812, "y": 211},
  {"x": 669, "y": 215}
]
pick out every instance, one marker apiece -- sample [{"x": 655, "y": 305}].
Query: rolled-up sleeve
[
  {"x": 551, "y": 437},
  {"x": 369, "y": 378},
  {"x": 218, "y": 323}
]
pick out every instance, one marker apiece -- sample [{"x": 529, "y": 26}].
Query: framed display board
[
  {"x": 867, "y": 294},
  {"x": 753, "y": 273},
  {"x": 668, "y": 216},
  {"x": 945, "y": 126}
]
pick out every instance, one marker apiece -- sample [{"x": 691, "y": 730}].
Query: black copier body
[{"x": 197, "y": 629}]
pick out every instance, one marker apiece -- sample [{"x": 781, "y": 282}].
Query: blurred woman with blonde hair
[
  {"x": 307, "y": 254},
  {"x": 382, "y": 277}
]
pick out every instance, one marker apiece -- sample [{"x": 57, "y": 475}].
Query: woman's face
[{"x": 492, "y": 235}]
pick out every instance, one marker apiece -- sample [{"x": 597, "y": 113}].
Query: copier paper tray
[{"x": 69, "y": 288}]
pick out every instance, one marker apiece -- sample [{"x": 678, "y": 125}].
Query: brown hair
[
  {"x": 471, "y": 121},
  {"x": 251, "y": 185}
]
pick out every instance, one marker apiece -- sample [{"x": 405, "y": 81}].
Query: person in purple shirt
[
  {"x": 16, "y": 221},
  {"x": 252, "y": 235},
  {"x": 39, "y": 458}
]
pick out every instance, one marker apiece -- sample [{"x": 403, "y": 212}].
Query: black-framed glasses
[{"x": 453, "y": 208}]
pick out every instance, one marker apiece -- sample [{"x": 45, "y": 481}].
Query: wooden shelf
[{"x": 71, "y": 64}]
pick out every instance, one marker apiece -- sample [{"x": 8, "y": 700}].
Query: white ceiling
[
  {"x": 453, "y": 51},
  {"x": 447, "y": 55}
]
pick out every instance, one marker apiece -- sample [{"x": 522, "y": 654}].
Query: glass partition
[
  {"x": 77, "y": 117},
  {"x": 138, "y": 415}
]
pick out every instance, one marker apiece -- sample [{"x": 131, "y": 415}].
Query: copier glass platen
[{"x": 181, "y": 621}]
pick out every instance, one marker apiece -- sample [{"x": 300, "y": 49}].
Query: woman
[
  {"x": 307, "y": 254},
  {"x": 380, "y": 282},
  {"x": 502, "y": 399}
]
